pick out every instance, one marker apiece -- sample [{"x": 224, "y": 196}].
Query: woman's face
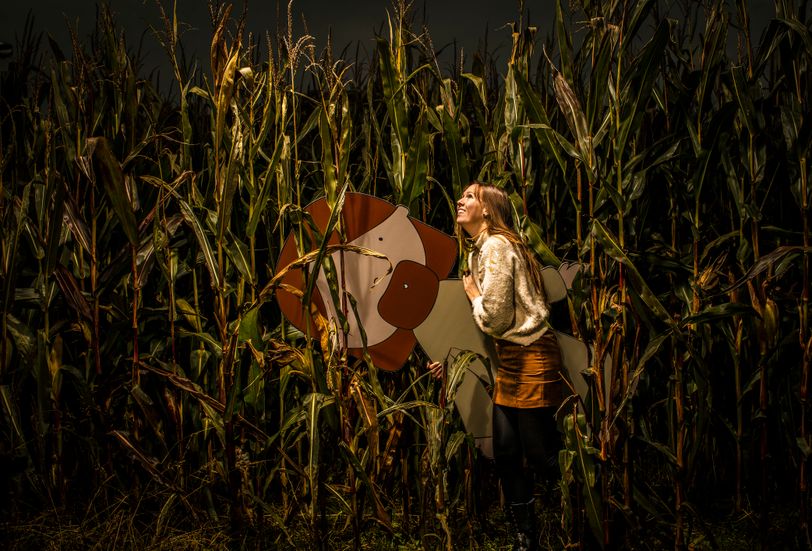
[{"x": 470, "y": 212}]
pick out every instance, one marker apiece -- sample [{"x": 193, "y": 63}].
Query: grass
[{"x": 127, "y": 530}]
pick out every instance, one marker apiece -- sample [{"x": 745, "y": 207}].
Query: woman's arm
[{"x": 493, "y": 308}]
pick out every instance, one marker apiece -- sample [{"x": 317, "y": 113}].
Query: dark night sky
[{"x": 351, "y": 21}]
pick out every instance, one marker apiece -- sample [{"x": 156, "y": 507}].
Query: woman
[{"x": 507, "y": 296}]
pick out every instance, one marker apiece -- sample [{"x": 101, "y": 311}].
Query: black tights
[{"x": 524, "y": 433}]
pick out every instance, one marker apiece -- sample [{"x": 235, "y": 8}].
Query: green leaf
[
  {"x": 614, "y": 250},
  {"x": 249, "y": 327},
  {"x": 664, "y": 450},
  {"x": 718, "y": 312},
  {"x": 224, "y": 95},
  {"x": 417, "y": 164},
  {"x": 335, "y": 216},
  {"x": 344, "y": 140},
  {"x": 764, "y": 262},
  {"x": 771, "y": 40},
  {"x": 328, "y": 162},
  {"x": 456, "y": 155},
  {"x": 197, "y": 360},
  {"x": 107, "y": 169},
  {"x": 639, "y": 15},
  {"x": 584, "y": 454},
  {"x": 455, "y": 441},
  {"x": 72, "y": 292},
  {"x": 744, "y": 99},
  {"x": 78, "y": 227},
  {"x": 54, "y": 209},
  {"x": 800, "y": 29},
  {"x": 563, "y": 35},
  {"x": 265, "y": 190},
  {"x": 652, "y": 348},
  {"x": 532, "y": 233},
  {"x": 540, "y": 122},
  {"x": 392, "y": 83},
  {"x": 64, "y": 103},
  {"x": 203, "y": 242},
  {"x": 314, "y": 403},
  {"x": 11, "y": 412},
  {"x": 238, "y": 253},
  {"x": 646, "y": 69},
  {"x": 230, "y": 183},
  {"x": 713, "y": 50},
  {"x": 311, "y": 123},
  {"x": 361, "y": 472},
  {"x": 600, "y": 78},
  {"x": 804, "y": 446},
  {"x": 205, "y": 338}
]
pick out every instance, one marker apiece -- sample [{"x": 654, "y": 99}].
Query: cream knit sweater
[{"x": 509, "y": 306}]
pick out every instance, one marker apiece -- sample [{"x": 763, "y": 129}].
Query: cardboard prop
[
  {"x": 450, "y": 329},
  {"x": 388, "y": 306}
]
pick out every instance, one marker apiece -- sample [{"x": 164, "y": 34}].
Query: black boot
[{"x": 523, "y": 516}]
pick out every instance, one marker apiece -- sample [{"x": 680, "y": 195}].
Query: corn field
[{"x": 152, "y": 396}]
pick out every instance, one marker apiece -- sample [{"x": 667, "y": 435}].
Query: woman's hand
[
  {"x": 436, "y": 369},
  {"x": 470, "y": 286}
]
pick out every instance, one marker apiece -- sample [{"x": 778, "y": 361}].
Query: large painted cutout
[{"x": 389, "y": 306}]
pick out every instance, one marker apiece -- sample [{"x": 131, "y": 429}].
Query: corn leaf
[{"x": 108, "y": 170}]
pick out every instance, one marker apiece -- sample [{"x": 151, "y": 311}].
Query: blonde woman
[{"x": 507, "y": 296}]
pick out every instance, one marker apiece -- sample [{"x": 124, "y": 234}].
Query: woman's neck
[{"x": 475, "y": 233}]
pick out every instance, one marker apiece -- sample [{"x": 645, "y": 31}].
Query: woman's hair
[{"x": 499, "y": 221}]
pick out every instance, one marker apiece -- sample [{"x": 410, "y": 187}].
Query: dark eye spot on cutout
[{"x": 380, "y": 239}]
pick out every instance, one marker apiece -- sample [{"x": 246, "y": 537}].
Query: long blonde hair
[{"x": 499, "y": 221}]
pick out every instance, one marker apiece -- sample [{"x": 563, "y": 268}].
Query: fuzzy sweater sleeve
[{"x": 494, "y": 309}]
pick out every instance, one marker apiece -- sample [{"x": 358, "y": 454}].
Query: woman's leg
[
  {"x": 516, "y": 485},
  {"x": 507, "y": 451},
  {"x": 541, "y": 440}
]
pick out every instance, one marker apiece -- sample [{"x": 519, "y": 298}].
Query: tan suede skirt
[{"x": 529, "y": 376}]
